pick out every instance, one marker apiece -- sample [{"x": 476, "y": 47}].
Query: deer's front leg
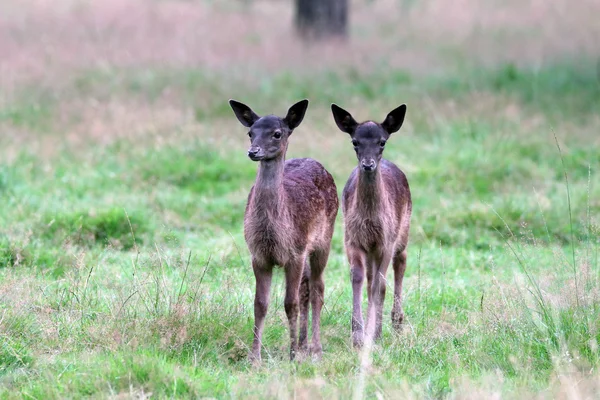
[
  {"x": 357, "y": 270},
  {"x": 262, "y": 273},
  {"x": 381, "y": 263}
]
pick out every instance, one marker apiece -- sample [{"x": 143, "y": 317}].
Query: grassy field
[{"x": 123, "y": 181}]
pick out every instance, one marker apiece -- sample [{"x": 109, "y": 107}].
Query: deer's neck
[
  {"x": 268, "y": 189},
  {"x": 370, "y": 192}
]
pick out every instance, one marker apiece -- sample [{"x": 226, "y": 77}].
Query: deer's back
[
  {"x": 311, "y": 188},
  {"x": 311, "y": 195}
]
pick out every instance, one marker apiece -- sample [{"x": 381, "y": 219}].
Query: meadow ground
[{"x": 123, "y": 180}]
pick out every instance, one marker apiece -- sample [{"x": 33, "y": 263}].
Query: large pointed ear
[
  {"x": 394, "y": 119},
  {"x": 243, "y": 113},
  {"x": 343, "y": 119},
  {"x": 295, "y": 114}
]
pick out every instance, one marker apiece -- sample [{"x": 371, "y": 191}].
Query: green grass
[
  {"x": 32, "y": 110},
  {"x": 561, "y": 89},
  {"x": 123, "y": 269}
]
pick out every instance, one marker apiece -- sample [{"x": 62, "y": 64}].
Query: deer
[
  {"x": 288, "y": 222},
  {"x": 377, "y": 207}
]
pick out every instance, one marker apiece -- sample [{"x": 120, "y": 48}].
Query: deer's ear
[
  {"x": 243, "y": 113},
  {"x": 295, "y": 114},
  {"x": 343, "y": 119},
  {"x": 394, "y": 119}
]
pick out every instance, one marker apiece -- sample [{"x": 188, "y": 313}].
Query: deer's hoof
[
  {"x": 303, "y": 348},
  {"x": 358, "y": 339},
  {"x": 378, "y": 333},
  {"x": 294, "y": 354},
  {"x": 254, "y": 358},
  {"x": 397, "y": 320},
  {"x": 316, "y": 352},
  {"x": 302, "y": 355}
]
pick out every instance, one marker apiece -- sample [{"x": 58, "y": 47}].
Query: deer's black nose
[
  {"x": 368, "y": 165},
  {"x": 255, "y": 153}
]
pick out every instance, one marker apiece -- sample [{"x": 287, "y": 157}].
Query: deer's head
[
  {"x": 368, "y": 138},
  {"x": 269, "y": 134}
]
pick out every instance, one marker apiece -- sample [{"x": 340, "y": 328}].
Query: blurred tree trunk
[{"x": 320, "y": 19}]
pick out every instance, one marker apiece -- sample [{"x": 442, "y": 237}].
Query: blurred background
[
  {"x": 124, "y": 176},
  {"x": 134, "y": 93}
]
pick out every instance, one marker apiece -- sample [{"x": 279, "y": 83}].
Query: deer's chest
[
  {"x": 369, "y": 232},
  {"x": 268, "y": 239}
]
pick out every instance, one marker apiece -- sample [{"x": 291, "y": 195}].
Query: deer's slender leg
[
  {"x": 357, "y": 270},
  {"x": 293, "y": 275},
  {"x": 378, "y": 286},
  {"x": 263, "y": 274},
  {"x": 318, "y": 262},
  {"x": 399, "y": 264},
  {"x": 305, "y": 293}
]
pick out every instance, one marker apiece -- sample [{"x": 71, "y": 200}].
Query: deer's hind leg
[
  {"x": 304, "y": 307},
  {"x": 318, "y": 262},
  {"x": 399, "y": 264},
  {"x": 293, "y": 276}
]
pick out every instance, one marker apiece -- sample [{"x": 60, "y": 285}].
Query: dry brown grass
[
  {"x": 45, "y": 40},
  {"x": 46, "y": 44}
]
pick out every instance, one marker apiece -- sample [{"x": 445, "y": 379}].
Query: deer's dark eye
[
  {"x": 277, "y": 135},
  {"x": 354, "y": 143},
  {"x": 250, "y": 134},
  {"x": 382, "y": 143}
]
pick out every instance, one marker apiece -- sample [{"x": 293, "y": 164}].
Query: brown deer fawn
[
  {"x": 377, "y": 206},
  {"x": 288, "y": 222}
]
